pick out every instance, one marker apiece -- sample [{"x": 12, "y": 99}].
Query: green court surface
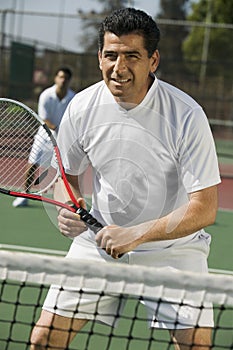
[
  {"x": 32, "y": 226},
  {"x": 35, "y": 226},
  {"x": 224, "y": 149}
]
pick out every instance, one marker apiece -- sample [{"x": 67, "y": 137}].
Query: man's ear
[
  {"x": 155, "y": 58},
  {"x": 100, "y": 59}
]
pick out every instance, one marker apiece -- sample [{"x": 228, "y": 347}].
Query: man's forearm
[{"x": 195, "y": 215}]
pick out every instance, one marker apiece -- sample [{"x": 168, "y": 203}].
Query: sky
[{"x": 54, "y": 30}]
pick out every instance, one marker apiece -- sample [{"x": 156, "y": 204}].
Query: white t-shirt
[
  {"x": 51, "y": 108},
  {"x": 145, "y": 160}
]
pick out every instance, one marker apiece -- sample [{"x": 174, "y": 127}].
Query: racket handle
[{"x": 89, "y": 220}]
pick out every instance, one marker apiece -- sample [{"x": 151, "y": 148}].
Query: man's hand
[
  {"x": 117, "y": 240},
  {"x": 69, "y": 223}
]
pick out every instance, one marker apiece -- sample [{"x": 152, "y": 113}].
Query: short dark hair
[
  {"x": 66, "y": 70},
  {"x": 129, "y": 20}
]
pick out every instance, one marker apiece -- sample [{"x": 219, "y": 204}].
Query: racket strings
[
  {"x": 16, "y": 126},
  {"x": 22, "y": 170}
]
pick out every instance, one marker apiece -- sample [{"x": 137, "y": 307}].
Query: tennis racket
[{"x": 27, "y": 147}]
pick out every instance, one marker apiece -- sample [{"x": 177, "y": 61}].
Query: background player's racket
[{"x": 20, "y": 126}]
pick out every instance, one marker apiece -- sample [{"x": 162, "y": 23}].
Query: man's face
[
  {"x": 62, "y": 80},
  {"x": 126, "y": 67}
]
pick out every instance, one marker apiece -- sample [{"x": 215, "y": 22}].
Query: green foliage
[
  {"x": 222, "y": 11},
  {"x": 220, "y": 46},
  {"x": 172, "y": 36}
]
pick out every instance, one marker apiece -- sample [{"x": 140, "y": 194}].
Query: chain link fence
[{"x": 207, "y": 81}]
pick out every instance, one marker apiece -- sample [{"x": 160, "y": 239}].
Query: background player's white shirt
[
  {"x": 50, "y": 107},
  {"x": 145, "y": 160}
]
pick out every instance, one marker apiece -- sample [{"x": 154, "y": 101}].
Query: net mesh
[{"x": 26, "y": 277}]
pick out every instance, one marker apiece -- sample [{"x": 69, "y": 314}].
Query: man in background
[{"x": 51, "y": 107}]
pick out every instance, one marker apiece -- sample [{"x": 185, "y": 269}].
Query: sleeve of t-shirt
[{"x": 197, "y": 153}]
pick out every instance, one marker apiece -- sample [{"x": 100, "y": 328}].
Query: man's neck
[{"x": 61, "y": 93}]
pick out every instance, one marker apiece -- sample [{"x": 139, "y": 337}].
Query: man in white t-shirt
[
  {"x": 155, "y": 176},
  {"x": 51, "y": 107}
]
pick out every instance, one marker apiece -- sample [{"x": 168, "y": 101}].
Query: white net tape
[{"x": 143, "y": 281}]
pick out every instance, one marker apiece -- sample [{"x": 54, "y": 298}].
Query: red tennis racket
[{"x": 27, "y": 147}]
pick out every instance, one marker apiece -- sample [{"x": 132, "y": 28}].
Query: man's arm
[
  {"x": 50, "y": 125},
  {"x": 198, "y": 213},
  {"x": 69, "y": 223}
]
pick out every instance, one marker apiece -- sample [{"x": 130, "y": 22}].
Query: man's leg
[
  {"x": 30, "y": 172},
  {"x": 53, "y": 331},
  {"x": 192, "y": 339}
]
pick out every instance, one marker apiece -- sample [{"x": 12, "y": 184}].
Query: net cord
[{"x": 133, "y": 280}]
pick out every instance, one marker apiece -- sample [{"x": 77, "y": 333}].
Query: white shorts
[
  {"x": 41, "y": 152},
  {"x": 191, "y": 256}
]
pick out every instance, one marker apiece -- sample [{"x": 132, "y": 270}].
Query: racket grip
[{"x": 89, "y": 220}]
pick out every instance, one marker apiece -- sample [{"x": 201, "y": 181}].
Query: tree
[
  {"x": 92, "y": 20},
  {"x": 172, "y": 36},
  {"x": 211, "y": 48}
]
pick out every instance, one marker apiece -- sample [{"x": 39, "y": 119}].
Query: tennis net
[{"x": 26, "y": 277}]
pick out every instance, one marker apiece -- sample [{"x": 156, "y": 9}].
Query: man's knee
[
  {"x": 194, "y": 339},
  {"x": 39, "y": 338}
]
